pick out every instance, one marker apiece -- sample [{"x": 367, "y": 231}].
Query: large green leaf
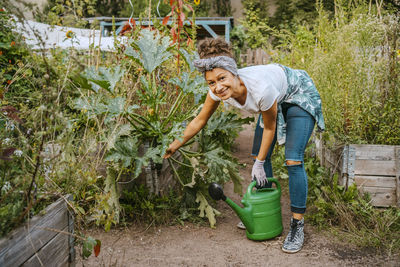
[
  {"x": 151, "y": 50},
  {"x": 91, "y": 105},
  {"x": 114, "y": 108},
  {"x": 188, "y": 84},
  {"x": 125, "y": 151},
  {"x": 226, "y": 122},
  {"x": 106, "y": 78},
  {"x": 154, "y": 154},
  {"x": 122, "y": 130},
  {"x": 189, "y": 58},
  {"x": 151, "y": 153},
  {"x": 222, "y": 167}
]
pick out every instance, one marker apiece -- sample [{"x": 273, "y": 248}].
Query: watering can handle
[{"x": 253, "y": 184}]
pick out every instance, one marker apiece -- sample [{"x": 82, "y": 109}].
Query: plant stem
[
  {"x": 28, "y": 196},
  {"x": 175, "y": 172},
  {"x": 181, "y": 163},
  {"x": 141, "y": 118},
  {"x": 137, "y": 128},
  {"x": 188, "y": 143},
  {"x": 173, "y": 109},
  {"x": 191, "y": 153}
]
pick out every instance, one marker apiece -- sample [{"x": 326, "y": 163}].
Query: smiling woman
[
  {"x": 289, "y": 105},
  {"x": 224, "y": 85}
]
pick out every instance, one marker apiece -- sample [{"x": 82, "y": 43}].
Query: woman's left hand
[{"x": 258, "y": 173}]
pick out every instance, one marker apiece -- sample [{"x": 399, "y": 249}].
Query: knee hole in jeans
[{"x": 293, "y": 162}]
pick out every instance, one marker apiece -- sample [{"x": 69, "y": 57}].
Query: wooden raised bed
[
  {"x": 42, "y": 241},
  {"x": 375, "y": 169}
]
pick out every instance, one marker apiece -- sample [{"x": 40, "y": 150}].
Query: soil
[{"x": 226, "y": 245}]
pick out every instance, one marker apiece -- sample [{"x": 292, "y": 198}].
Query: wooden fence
[
  {"x": 254, "y": 57},
  {"x": 45, "y": 240}
]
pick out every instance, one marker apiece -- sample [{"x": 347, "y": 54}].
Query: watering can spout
[{"x": 245, "y": 213}]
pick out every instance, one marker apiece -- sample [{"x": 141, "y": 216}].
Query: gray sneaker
[
  {"x": 295, "y": 239},
  {"x": 240, "y": 225}
]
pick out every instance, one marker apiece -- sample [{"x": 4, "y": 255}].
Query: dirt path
[{"x": 193, "y": 245}]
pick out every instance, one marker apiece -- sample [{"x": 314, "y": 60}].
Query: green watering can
[{"x": 261, "y": 213}]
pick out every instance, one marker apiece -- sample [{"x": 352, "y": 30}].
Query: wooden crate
[
  {"x": 42, "y": 241},
  {"x": 375, "y": 169}
]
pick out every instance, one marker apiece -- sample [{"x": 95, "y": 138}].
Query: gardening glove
[{"x": 258, "y": 173}]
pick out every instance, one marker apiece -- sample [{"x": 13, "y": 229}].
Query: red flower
[
  {"x": 12, "y": 43},
  {"x": 1, "y": 52},
  {"x": 1, "y": 10},
  {"x": 9, "y": 82},
  {"x": 9, "y": 61}
]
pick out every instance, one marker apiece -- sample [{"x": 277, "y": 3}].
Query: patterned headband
[{"x": 211, "y": 63}]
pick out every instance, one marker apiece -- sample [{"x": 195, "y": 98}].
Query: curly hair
[{"x": 212, "y": 47}]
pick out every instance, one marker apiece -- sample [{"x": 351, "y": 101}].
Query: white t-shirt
[{"x": 264, "y": 83}]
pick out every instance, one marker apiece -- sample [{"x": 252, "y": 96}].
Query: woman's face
[{"x": 223, "y": 83}]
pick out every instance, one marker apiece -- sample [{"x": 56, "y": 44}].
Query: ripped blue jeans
[{"x": 299, "y": 126}]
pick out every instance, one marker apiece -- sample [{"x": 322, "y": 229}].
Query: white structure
[{"x": 44, "y": 36}]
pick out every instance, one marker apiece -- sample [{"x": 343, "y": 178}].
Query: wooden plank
[
  {"x": 22, "y": 243},
  {"x": 375, "y": 181},
  {"x": 374, "y": 152},
  {"x": 249, "y": 59},
  {"x": 397, "y": 153},
  {"x": 331, "y": 160},
  {"x": 318, "y": 148},
  {"x": 71, "y": 241},
  {"x": 54, "y": 253},
  {"x": 375, "y": 167},
  {"x": 380, "y": 196}
]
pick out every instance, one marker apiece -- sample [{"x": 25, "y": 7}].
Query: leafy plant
[{"x": 148, "y": 120}]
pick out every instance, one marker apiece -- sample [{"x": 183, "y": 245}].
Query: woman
[{"x": 289, "y": 105}]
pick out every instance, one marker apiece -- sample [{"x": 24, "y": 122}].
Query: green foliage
[
  {"x": 259, "y": 26},
  {"x": 222, "y": 8},
  {"x": 121, "y": 8},
  {"x": 224, "y": 129},
  {"x": 140, "y": 205},
  {"x": 146, "y": 119},
  {"x": 69, "y": 13},
  {"x": 22, "y": 95},
  {"x": 351, "y": 57},
  {"x": 212, "y": 161},
  {"x": 12, "y": 53},
  {"x": 292, "y": 13},
  {"x": 151, "y": 50},
  {"x": 254, "y": 31},
  {"x": 352, "y": 214}
]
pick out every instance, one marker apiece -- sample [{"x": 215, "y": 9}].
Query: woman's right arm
[{"x": 194, "y": 126}]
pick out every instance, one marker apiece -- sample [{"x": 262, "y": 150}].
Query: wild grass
[{"x": 354, "y": 60}]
